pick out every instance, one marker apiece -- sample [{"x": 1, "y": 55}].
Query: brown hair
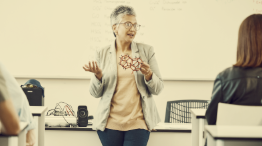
[{"x": 249, "y": 47}]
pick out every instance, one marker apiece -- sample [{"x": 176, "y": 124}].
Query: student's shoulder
[
  {"x": 4, "y": 74},
  {"x": 234, "y": 73},
  {"x": 5, "y": 82}
]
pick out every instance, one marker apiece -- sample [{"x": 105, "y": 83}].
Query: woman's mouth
[{"x": 130, "y": 35}]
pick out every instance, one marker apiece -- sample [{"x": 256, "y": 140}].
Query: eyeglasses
[{"x": 128, "y": 25}]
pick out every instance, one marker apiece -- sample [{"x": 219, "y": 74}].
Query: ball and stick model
[{"x": 133, "y": 63}]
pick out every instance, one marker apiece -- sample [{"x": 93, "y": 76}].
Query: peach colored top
[{"x": 126, "y": 109}]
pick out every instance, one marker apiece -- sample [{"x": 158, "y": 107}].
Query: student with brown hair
[{"x": 242, "y": 83}]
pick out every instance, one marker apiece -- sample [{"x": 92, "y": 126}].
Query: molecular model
[{"x": 127, "y": 62}]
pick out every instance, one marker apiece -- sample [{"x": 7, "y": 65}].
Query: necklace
[{"x": 124, "y": 53}]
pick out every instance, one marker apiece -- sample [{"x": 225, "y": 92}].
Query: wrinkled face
[{"x": 124, "y": 32}]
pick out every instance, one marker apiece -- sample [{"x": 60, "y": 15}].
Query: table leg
[
  {"x": 36, "y": 118},
  {"x": 200, "y": 131},
  {"x": 195, "y": 131},
  {"x": 22, "y": 139},
  {"x": 41, "y": 132},
  {"x": 210, "y": 140},
  {"x": 220, "y": 142}
]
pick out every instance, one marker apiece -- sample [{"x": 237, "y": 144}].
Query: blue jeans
[{"x": 136, "y": 137}]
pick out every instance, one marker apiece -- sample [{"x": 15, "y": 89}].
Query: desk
[
  {"x": 167, "y": 134},
  {"x": 39, "y": 117},
  {"x": 197, "y": 119},
  {"x": 234, "y": 135},
  {"x": 15, "y": 140}
]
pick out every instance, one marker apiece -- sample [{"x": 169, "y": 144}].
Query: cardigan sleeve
[
  {"x": 96, "y": 86},
  {"x": 155, "y": 85}
]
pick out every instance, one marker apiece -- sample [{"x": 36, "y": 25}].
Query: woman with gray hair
[{"x": 126, "y": 112}]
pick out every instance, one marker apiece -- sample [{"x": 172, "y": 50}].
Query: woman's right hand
[{"x": 94, "y": 69}]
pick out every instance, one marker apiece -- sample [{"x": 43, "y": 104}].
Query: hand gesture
[
  {"x": 94, "y": 69},
  {"x": 145, "y": 70}
]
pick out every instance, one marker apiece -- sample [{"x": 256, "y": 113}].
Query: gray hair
[{"x": 119, "y": 12}]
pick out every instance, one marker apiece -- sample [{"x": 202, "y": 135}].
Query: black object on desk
[
  {"x": 82, "y": 116},
  {"x": 34, "y": 96}
]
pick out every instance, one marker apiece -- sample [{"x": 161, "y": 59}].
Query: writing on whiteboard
[
  {"x": 225, "y": 1},
  {"x": 258, "y": 2},
  {"x": 257, "y": 8},
  {"x": 167, "y": 5}
]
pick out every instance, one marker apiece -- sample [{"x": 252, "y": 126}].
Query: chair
[
  {"x": 230, "y": 114},
  {"x": 178, "y": 111},
  {"x": 236, "y": 115}
]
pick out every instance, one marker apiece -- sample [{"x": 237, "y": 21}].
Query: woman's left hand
[{"x": 145, "y": 70}]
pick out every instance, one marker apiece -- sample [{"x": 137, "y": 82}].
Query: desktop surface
[
  {"x": 161, "y": 127},
  {"x": 235, "y": 132}
]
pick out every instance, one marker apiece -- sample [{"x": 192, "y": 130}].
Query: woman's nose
[{"x": 132, "y": 28}]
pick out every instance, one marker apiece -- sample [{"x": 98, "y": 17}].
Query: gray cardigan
[{"x": 106, "y": 60}]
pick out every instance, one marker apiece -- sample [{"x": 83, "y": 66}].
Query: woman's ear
[{"x": 115, "y": 29}]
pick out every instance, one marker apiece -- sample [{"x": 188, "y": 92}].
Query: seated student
[
  {"x": 9, "y": 121},
  {"x": 242, "y": 83},
  {"x": 9, "y": 88}
]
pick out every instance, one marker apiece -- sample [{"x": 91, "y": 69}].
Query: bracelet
[{"x": 148, "y": 73}]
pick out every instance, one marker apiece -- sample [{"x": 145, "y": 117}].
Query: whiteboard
[{"x": 192, "y": 39}]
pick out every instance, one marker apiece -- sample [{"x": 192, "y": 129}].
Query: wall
[{"x": 192, "y": 34}]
